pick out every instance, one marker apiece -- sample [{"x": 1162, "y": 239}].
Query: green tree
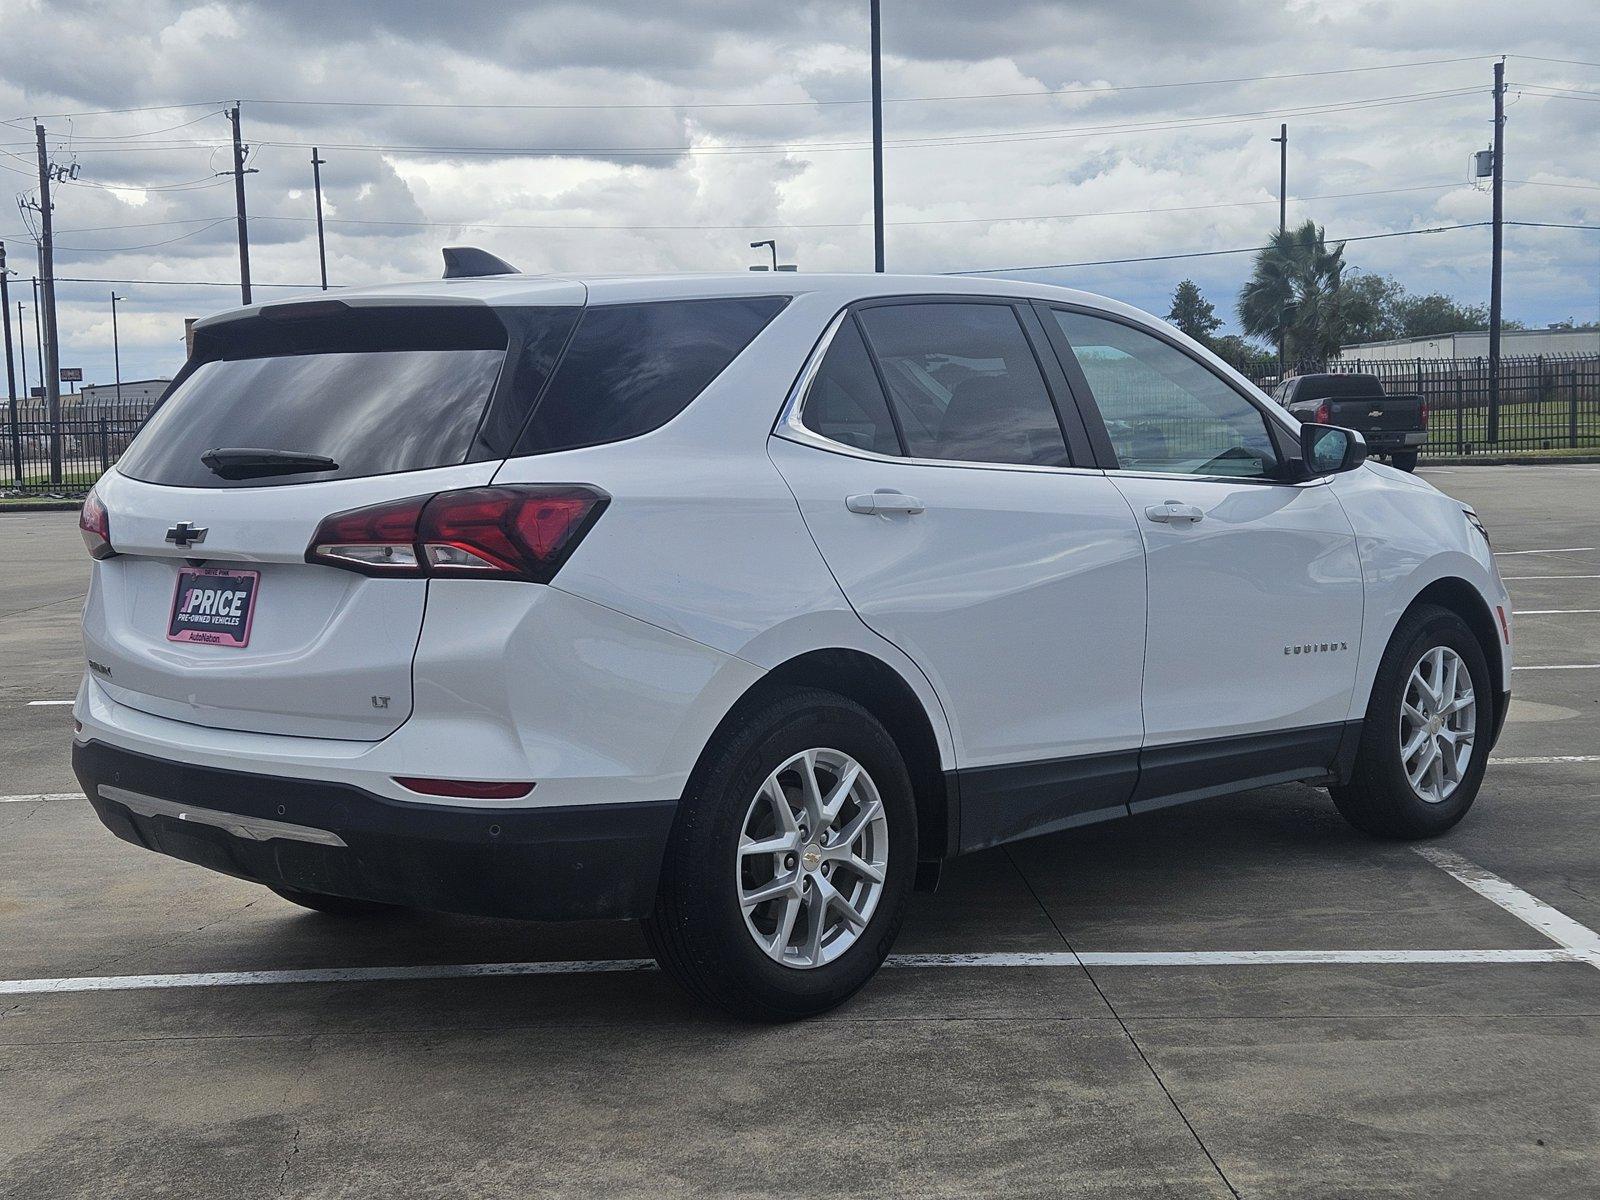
[
  {"x": 1369, "y": 306},
  {"x": 1294, "y": 291},
  {"x": 1193, "y": 313}
]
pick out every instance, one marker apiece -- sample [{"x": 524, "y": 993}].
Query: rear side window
[
  {"x": 965, "y": 384},
  {"x": 376, "y": 391},
  {"x": 631, "y": 368},
  {"x": 846, "y": 403}
]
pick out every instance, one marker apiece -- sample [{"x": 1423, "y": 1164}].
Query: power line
[
  {"x": 962, "y": 139},
  {"x": 806, "y": 103},
  {"x": 1363, "y": 237},
  {"x": 546, "y": 227},
  {"x": 1107, "y": 262}
]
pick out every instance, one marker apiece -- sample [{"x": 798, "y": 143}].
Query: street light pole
[
  {"x": 316, "y": 183},
  {"x": 116, "y": 349},
  {"x": 1283, "y": 177},
  {"x": 877, "y": 141},
  {"x": 11, "y": 372}
]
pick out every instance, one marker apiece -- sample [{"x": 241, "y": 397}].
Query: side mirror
[{"x": 1328, "y": 449}]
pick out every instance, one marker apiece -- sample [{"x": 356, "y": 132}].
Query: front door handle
[
  {"x": 884, "y": 500},
  {"x": 1173, "y": 513}
]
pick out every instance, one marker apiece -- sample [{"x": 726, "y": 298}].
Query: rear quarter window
[{"x": 631, "y": 368}]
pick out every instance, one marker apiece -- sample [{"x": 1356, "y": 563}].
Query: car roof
[{"x": 523, "y": 290}]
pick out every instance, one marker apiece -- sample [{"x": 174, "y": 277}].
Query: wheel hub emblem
[{"x": 811, "y": 859}]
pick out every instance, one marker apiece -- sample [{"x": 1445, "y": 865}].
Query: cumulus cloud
[{"x": 617, "y": 135}]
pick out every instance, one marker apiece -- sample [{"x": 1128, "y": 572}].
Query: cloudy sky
[{"x": 625, "y": 135}]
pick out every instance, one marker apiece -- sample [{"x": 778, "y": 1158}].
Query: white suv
[{"x": 738, "y": 604}]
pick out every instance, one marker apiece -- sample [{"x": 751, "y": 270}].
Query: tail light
[
  {"x": 1424, "y": 407},
  {"x": 513, "y": 532},
  {"x": 94, "y": 523},
  {"x": 1323, "y": 415}
]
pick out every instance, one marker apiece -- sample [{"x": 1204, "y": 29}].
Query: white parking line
[
  {"x": 1563, "y": 550},
  {"x": 34, "y": 799},
  {"x": 1548, "y": 758},
  {"x": 40, "y": 703},
  {"x": 1561, "y": 667},
  {"x": 1526, "y": 578},
  {"x": 1064, "y": 958},
  {"x": 1550, "y": 612},
  {"x": 1553, "y": 923}
]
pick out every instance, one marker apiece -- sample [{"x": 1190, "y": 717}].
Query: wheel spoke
[
  {"x": 817, "y": 913},
  {"x": 773, "y": 790},
  {"x": 785, "y": 929},
  {"x": 810, "y": 793},
  {"x": 840, "y": 792},
  {"x": 863, "y": 868},
  {"x": 783, "y": 885},
  {"x": 832, "y": 897},
  {"x": 1409, "y": 750},
  {"x": 1412, "y": 713},
  {"x": 850, "y": 833},
  {"x": 776, "y": 844}
]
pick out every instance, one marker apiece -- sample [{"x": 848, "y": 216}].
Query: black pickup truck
[{"x": 1394, "y": 426}]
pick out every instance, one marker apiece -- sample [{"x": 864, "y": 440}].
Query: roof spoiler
[{"x": 466, "y": 262}]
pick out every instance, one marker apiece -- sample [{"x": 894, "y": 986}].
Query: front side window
[
  {"x": 964, "y": 383},
  {"x": 1164, "y": 411}
]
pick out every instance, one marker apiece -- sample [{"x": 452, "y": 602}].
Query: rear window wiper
[{"x": 243, "y": 462}]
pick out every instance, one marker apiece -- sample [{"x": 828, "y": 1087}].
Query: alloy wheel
[
  {"x": 812, "y": 856},
  {"x": 1438, "y": 721}
]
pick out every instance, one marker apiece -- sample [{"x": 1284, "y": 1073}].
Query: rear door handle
[
  {"x": 1172, "y": 513},
  {"x": 884, "y": 500}
]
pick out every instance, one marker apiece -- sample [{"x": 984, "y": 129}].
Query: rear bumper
[
  {"x": 573, "y": 862},
  {"x": 1395, "y": 440}
]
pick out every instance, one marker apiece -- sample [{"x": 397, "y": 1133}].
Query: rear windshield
[
  {"x": 376, "y": 391},
  {"x": 380, "y": 391}
]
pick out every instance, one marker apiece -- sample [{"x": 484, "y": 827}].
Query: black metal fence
[
  {"x": 1547, "y": 402},
  {"x": 39, "y": 457}
]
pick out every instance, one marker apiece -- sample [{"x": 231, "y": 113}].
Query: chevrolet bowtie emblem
[{"x": 185, "y": 534}]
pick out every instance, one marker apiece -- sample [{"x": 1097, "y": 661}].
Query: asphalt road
[{"x": 1133, "y": 1021}]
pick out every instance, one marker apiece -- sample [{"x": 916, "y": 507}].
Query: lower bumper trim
[
  {"x": 588, "y": 862},
  {"x": 255, "y": 829}
]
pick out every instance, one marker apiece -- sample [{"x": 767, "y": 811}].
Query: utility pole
[
  {"x": 316, "y": 183},
  {"x": 116, "y": 349},
  {"x": 51, "y": 369},
  {"x": 1497, "y": 237},
  {"x": 238, "y": 174},
  {"x": 11, "y": 373},
  {"x": 877, "y": 141}
]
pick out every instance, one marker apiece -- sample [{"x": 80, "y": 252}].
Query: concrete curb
[
  {"x": 1511, "y": 460},
  {"x": 35, "y": 506}
]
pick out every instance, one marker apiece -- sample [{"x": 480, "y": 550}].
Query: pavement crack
[
  {"x": 1126, "y": 1032},
  {"x": 104, "y": 968}
]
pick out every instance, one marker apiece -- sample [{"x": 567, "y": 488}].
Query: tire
[
  {"x": 334, "y": 906},
  {"x": 1404, "y": 460},
  {"x": 1380, "y": 798},
  {"x": 701, "y": 931}
]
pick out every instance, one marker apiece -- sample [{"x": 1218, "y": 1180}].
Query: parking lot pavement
[{"x": 1448, "y": 1047}]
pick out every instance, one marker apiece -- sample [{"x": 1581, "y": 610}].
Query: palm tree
[{"x": 1293, "y": 293}]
